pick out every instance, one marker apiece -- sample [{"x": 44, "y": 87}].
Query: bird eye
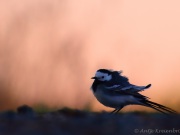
[{"x": 102, "y": 77}]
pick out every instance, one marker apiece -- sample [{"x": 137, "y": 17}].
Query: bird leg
[
  {"x": 117, "y": 109},
  {"x": 114, "y": 111}
]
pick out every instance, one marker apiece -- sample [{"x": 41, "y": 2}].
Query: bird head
[{"x": 103, "y": 75}]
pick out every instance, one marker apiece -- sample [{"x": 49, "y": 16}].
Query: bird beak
[{"x": 94, "y": 77}]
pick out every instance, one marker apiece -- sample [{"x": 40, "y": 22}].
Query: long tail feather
[{"x": 159, "y": 107}]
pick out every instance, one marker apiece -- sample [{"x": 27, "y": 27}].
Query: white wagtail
[{"x": 114, "y": 90}]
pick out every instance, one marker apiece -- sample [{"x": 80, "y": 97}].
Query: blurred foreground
[{"x": 74, "y": 122}]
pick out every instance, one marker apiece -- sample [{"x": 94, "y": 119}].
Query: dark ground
[{"x": 74, "y": 122}]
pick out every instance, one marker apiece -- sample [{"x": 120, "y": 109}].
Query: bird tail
[{"x": 159, "y": 107}]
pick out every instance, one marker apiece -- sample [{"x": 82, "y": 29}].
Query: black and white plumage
[{"x": 114, "y": 90}]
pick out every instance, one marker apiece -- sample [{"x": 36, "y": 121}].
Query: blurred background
[{"x": 49, "y": 50}]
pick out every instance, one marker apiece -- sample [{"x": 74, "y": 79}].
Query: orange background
[{"x": 49, "y": 50}]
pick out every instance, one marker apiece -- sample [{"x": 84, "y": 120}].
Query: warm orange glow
[{"x": 50, "y": 49}]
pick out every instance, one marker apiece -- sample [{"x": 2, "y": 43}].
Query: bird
[{"x": 114, "y": 90}]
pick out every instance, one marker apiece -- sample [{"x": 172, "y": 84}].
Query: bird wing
[
  {"x": 136, "y": 88},
  {"x": 113, "y": 86},
  {"x": 130, "y": 87},
  {"x": 117, "y": 91},
  {"x": 123, "y": 81},
  {"x": 132, "y": 93},
  {"x": 143, "y": 100}
]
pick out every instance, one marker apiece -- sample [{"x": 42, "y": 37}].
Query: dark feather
[
  {"x": 144, "y": 100},
  {"x": 116, "y": 92},
  {"x": 159, "y": 107},
  {"x": 119, "y": 79}
]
